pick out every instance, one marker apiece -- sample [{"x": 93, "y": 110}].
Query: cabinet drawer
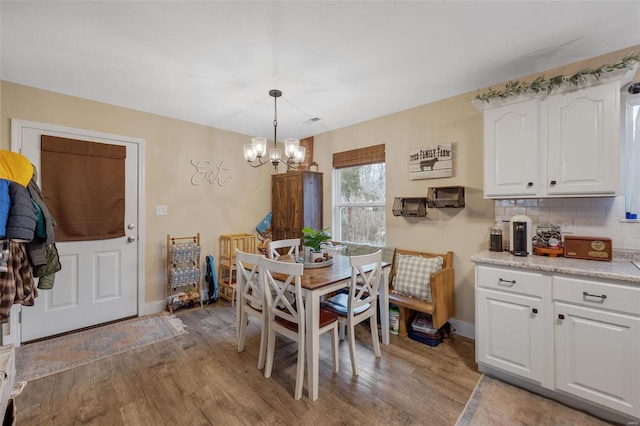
[
  {"x": 597, "y": 294},
  {"x": 513, "y": 280}
]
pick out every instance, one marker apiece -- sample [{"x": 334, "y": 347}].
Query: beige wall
[
  {"x": 239, "y": 205},
  {"x": 170, "y": 146},
  {"x": 463, "y": 231}
]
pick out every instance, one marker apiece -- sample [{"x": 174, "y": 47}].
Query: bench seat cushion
[{"x": 413, "y": 275}]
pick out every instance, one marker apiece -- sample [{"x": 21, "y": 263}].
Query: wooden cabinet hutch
[{"x": 296, "y": 203}]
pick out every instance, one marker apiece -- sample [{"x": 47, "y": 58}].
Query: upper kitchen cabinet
[
  {"x": 566, "y": 144},
  {"x": 511, "y": 150},
  {"x": 296, "y": 203}
]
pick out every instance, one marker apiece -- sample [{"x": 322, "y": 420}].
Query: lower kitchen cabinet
[
  {"x": 597, "y": 342},
  {"x": 512, "y": 316},
  {"x": 573, "y": 338}
]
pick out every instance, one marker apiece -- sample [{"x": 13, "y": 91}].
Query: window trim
[{"x": 631, "y": 101}]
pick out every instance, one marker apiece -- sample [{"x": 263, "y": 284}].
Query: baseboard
[
  {"x": 465, "y": 329},
  {"x": 154, "y": 307}
]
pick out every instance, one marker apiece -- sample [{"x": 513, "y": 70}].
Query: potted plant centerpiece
[{"x": 311, "y": 241}]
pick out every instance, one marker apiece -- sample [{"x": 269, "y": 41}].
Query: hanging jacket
[
  {"x": 21, "y": 223},
  {"x": 15, "y": 167},
  {"x": 37, "y": 247},
  {"x": 5, "y": 205},
  {"x": 46, "y": 273}
]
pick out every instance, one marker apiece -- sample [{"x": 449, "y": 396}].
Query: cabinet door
[
  {"x": 511, "y": 150},
  {"x": 597, "y": 356},
  {"x": 286, "y": 205},
  {"x": 509, "y": 333},
  {"x": 583, "y": 141}
]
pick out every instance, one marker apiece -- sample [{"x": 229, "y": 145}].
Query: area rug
[
  {"x": 494, "y": 402},
  {"x": 47, "y": 357}
]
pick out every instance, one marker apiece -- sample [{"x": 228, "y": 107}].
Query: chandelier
[{"x": 256, "y": 151}]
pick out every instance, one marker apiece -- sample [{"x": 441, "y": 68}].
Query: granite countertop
[{"x": 620, "y": 267}]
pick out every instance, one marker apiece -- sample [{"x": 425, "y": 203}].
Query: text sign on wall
[
  {"x": 203, "y": 174},
  {"x": 431, "y": 162}
]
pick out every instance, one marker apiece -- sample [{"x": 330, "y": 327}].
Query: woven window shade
[
  {"x": 359, "y": 157},
  {"x": 83, "y": 185}
]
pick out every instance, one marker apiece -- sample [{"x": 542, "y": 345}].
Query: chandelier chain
[{"x": 275, "y": 118}]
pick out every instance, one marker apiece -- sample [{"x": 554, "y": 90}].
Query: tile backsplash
[{"x": 597, "y": 217}]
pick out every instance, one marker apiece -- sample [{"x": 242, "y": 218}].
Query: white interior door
[{"x": 100, "y": 280}]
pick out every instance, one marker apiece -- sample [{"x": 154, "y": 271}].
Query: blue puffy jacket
[
  {"x": 5, "y": 205},
  {"x": 21, "y": 224}
]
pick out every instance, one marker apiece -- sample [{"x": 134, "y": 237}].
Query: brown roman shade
[
  {"x": 359, "y": 157},
  {"x": 83, "y": 185}
]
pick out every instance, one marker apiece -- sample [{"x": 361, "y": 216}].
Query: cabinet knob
[
  {"x": 553, "y": 182},
  {"x": 561, "y": 316},
  {"x": 534, "y": 310},
  {"x": 529, "y": 185}
]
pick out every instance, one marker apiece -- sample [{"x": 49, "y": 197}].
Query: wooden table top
[{"x": 339, "y": 270}]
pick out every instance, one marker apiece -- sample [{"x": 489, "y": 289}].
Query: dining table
[{"x": 316, "y": 282}]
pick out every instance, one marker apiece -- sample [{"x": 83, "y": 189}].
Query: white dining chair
[
  {"x": 291, "y": 246},
  {"x": 286, "y": 315},
  {"x": 360, "y": 303},
  {"x": 251, "y": 300}
]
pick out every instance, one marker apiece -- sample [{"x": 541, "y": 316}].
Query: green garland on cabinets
[{"x": 540, "y": 84}]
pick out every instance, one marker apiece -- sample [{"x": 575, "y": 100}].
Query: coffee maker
[{"x": 520, "y": 243}]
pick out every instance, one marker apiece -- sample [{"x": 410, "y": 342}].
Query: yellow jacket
[{"x": 15, "y": 167}]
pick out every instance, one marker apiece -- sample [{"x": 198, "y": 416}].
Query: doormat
[
  {"x": 494, "y": 402},
  {"x": 47, "y": 357}
]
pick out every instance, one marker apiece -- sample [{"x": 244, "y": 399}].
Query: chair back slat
[
  {"x": 248, "y": 278},
  {"x": 283, "y": 291},
  {"x": 291, "y": 246},
  {"x": 364, "y": 285}
]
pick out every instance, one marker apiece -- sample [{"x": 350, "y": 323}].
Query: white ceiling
[{"x": 214, "y": 62}]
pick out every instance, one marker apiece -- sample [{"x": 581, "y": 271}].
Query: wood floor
[{"x": 200, "y": 379}]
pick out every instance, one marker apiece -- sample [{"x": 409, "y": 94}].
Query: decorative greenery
[
  {"x": 313, "y": 239},
  {"x": 540, "y": 84}
]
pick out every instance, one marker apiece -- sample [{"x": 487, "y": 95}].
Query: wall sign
[
  {"x": 203, "y": 174},
  {"x": 431, "y": 162}
]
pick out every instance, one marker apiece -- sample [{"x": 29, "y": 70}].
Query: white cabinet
[
  {"x": 583, "y": 141},
  {"x": 573, "y": 338},
  {"x": 511, "y": 150},
  {"x": 597, "y": 342},
  {"x": 512, "y": 316},
  {"x": 562, "y": 145}
]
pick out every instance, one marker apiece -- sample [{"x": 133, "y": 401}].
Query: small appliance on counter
[
  {"x": 495, "y": 239},
  {"x": 547, "y": 241},
  {"x": 591, "y": 248},
  {"x": 520, "y": 243}
]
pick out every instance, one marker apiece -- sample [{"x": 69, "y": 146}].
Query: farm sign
[{"x": 431, "y": 162}]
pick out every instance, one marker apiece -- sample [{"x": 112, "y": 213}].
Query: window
[
  {"x": 359, "y": 196},
  {"x": 632, "y": 189}
]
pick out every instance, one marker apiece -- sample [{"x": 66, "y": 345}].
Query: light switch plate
[{"x": 162, "y": 211}]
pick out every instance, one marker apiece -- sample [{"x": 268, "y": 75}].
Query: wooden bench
[{"x": 442, "y": 305}]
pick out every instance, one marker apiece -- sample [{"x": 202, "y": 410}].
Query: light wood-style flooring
[{"x": 199, "y": 379}]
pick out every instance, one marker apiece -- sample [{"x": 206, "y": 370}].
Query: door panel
[{"x": 99, "y": 280}]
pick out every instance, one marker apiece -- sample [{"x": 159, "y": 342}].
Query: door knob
[
  {"x": 131, "y": 227},
  {"x": 131, "y": 239}
]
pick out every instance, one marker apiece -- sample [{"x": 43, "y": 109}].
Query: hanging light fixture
[{"x": 257, "y": 150}]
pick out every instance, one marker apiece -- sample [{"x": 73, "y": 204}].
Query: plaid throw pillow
[{"x": 413, "y": 275}]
